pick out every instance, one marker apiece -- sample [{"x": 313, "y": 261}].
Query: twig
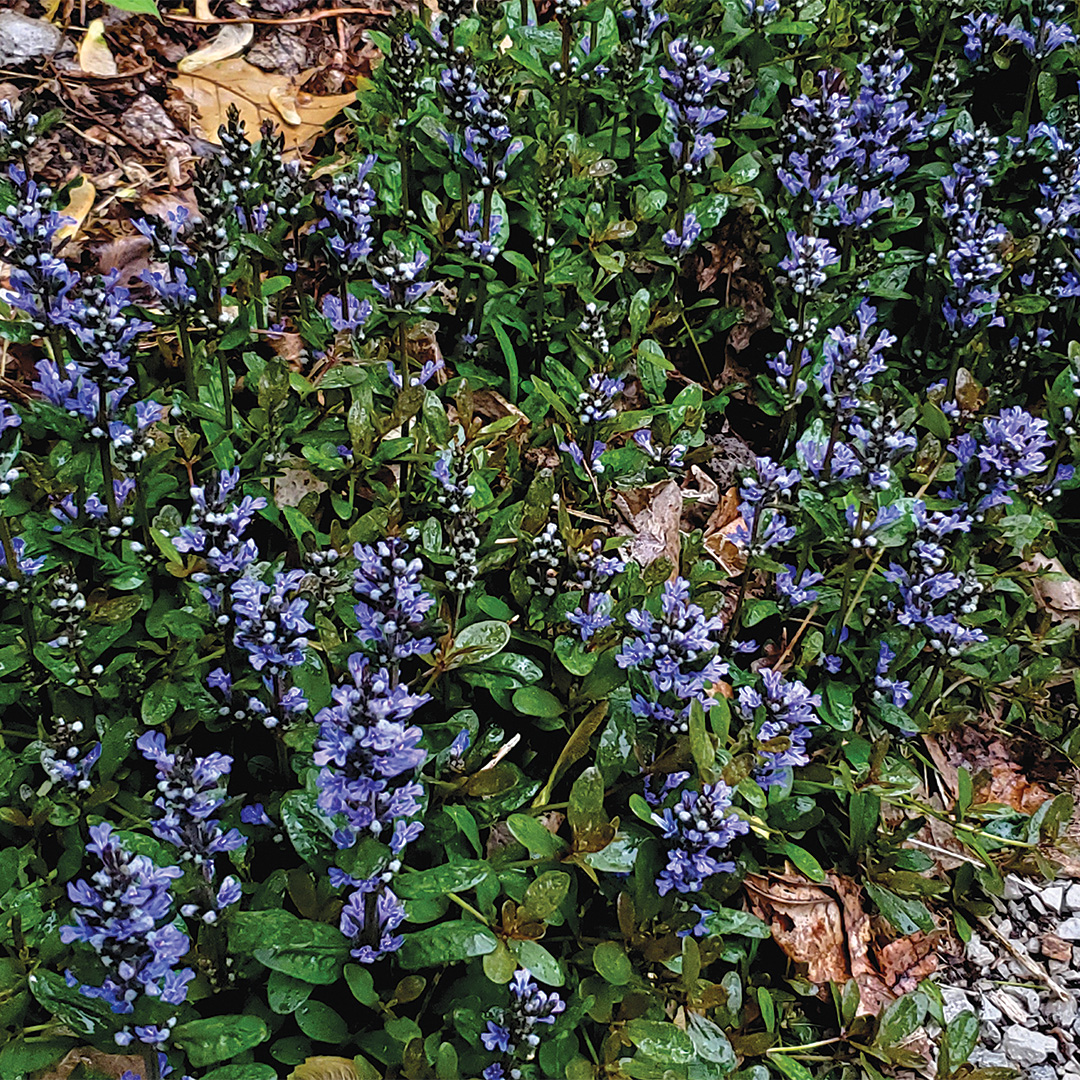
[
  {"x": 1025, "y": 960},
  {"x": 311, "y": 16},
  {"x": 798, "y": 634}
]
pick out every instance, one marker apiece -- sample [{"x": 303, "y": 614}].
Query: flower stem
[
  {"x": 105, "y": 450},
  {"x": 189, "y": 362}
]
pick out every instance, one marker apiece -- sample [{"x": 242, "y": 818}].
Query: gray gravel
[{"x": 1024, "y": 1024}]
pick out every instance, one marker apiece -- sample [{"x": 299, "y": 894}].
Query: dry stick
[
  {"x": 798, "y": 634},
  {"x": 311, "y": 16},
  {"x": 1025, "y": 960}
]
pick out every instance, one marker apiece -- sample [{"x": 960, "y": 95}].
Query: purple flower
[
  {"x": 189, "y": 794},
  {"x": 369, "y": 919},
  {"x": 125, "y": 916},
  {"x": 700, "y": 827}
]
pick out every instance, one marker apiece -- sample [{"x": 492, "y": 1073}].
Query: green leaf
[
  {"x": 286, "y": 993},
  {"x": 544, "y": 966},
  {"x": 140, "y": 7},
  {"x": 87, "y": 1016},
  {"x": 960, "y": 1037},
  {"x": 362, "y": 984},
  {"x": 545, "y": 894},
  {"x": 219, "y": 1037},
  {"x": 730, "y": 921},
  {"x": 477, "y": 642},
  {"x": 533, "y": 701},
  {"x": 661, "y": 1041},
  {"x": 701, "y": 744},
  {"x": 159, "y": 702},
  {"x": 709, "y": 1041},
  {"x": 251, "y": 1071},
  {"x": 900, "y": 1019},
  {"x": 906, "y": 915},
  {"x": 573, "y": 656},
  {"x": 611, "y": 963},
  {"x": 804, "y": 861},
  {"x": 464, "y": 820},
  {"x": 309, "y": 951},
  {"x": 540, "y": 843},
  {"x": 446, "y": 943},
  {"x": 321, "y": 1023},
  {"x": 452, "y": 877}
]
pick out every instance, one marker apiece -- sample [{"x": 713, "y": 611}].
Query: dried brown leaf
[
  {"x": 80, "y": 203},
  {"x": 95, "y": 1062},
  {"x": 95, "y": 56},
  {"x": 1054, "y": 589},
  {"x": 654, "y": 514},
  {"x": 293, "y": 484},
  {"x": 231, "y": 39},
  {"x": 718, "y": 538},
  {"x": 213, "y": 88}
]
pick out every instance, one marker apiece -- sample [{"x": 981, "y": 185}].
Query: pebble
[
  {"x": 23, "y": 39},
  {"x": 1042, "y": 1072},
  {"x": 1038, "y": 905},
  {"x": 1024, "y": 1047},
  {"x": 1013, "y": 889},
  {"x": 978, "y": 953},
  {"x": 1062, "y": 1014},
  {"x": 1052, "y": 898},
  {"x": 1072, "y": 897},
  {"x": 1069, "y": 929},
  {"x": 1029, "y": 998},
  {"x": 989, "y": 1013},
  {"x": 982, "y": 1058},
  {"x": 956, "y": 1001}
]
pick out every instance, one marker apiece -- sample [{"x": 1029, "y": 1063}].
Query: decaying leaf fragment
[
  {"x": 1055, "y": 590},
  {"x": 80, "y": 203},
  {"x": 720, "y": 531},
  {"x": 231, "y": 39},
  {"x": 654, "y": 514}
]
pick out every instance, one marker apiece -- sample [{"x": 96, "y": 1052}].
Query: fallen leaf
[
  {"x": 213, "y": 88},
  {"x": 325, "y": 1068},
  {"x": 95, "y": 1062},
  {"x": 95, "y": 56},
  {"x": 293, "y": 484},
  {"x": 806, "y": 922},
  {"x": 80, "y": 203},
  {"x": 231, "y": 39},
  {"x": 1054, "y": 589},
  {"x": 827, "y": 928},
  {"x": 654, "y": 515},
  {"x": 719, "y": 536}
]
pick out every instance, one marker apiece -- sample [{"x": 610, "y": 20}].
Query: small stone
[
  {"x": 990, "y": 1034},
  {"x": 1042, "y": 1072},
  {"x": 956, "y": 1001},
  {"x": 1069, "y": 929},
  {"x": 1053, "y": 898},
  {"x": 1013, "y": 889},
  {"x": 1037, "y": 904},
  {"x": 1055, "y": 948},
  {"x": 1025, "y": 1048},
  {"x": 989, "y": 1013},
  {"x": 1005, "y": 928},
  {"x": 1072, "y": 897},
  {"x": 1026, "y": 996},
  {"x": 1062, "y": 1014},
  {"x": 23, "y": 39},
  {"x": 977, "y": 953},
  {"x": 1058, "y": 967},
  {"x": 1017, "y": 912},
  {"x": 982, "y": 1058}
]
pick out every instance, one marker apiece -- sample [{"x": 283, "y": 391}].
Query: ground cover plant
[{"x": 492, "y": 575}]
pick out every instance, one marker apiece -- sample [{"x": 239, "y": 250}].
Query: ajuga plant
[{"x": 464, "y": 574}]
